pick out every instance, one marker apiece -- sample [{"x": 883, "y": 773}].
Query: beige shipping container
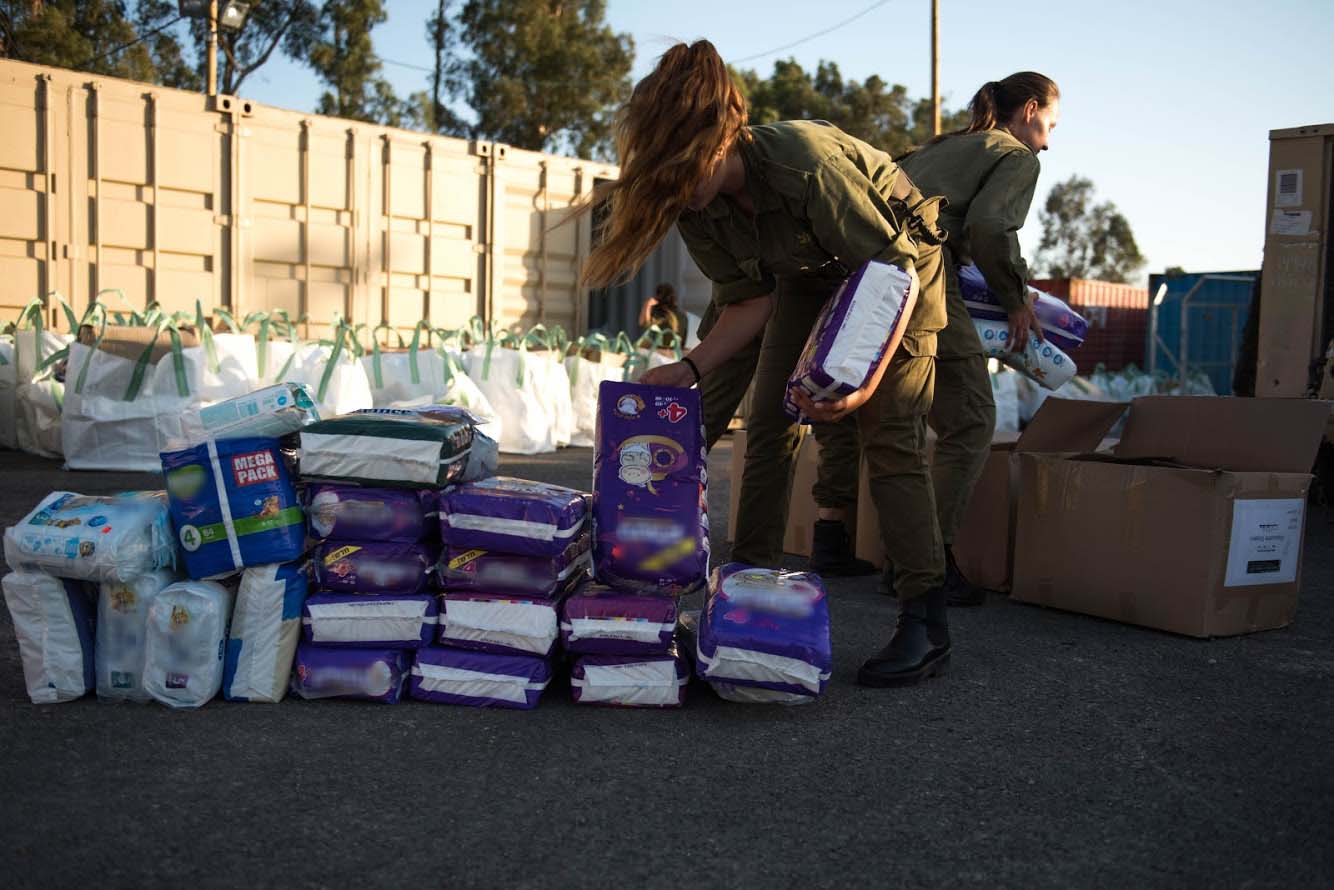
[{"x": 171, "y": 197}]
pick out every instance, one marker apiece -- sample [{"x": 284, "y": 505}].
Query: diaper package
[
  {"x": 234, "y": 505},
  {"x": 54, "y": 622},
  {"x": 374, "y": 567},
  {"x": 864, "y": 319},
  {"x": 766, "y": 629},
  {"x": 479, "y": 679},
  {"x": 489, "y": 622},
  {"x": 687, "y": 634},
  {"x": 93, "y": 538},
  {"x": 271, "y": 412},
  {"x": 484, "y": 454},
  {"x": 465, "y": 569},
  {"x": 1042, "y": 362},
  {"x": 377, "y": 622},
  {"x": 1061, "y": 325},
  {"x": 389, "y": 447},
  {"x": 630, "y": 681},
  {"x": 650, "y": 493},
  {"x": 122, "y": 629},
  {"x": 352, "y": 513},
  {"x": 516, "y": 516},
  {"x": 597, "y": 619},
  {"x": 266, "y": 627},
  {"x": 184, "y": 646},
  {"x": 368, "y": 674}
]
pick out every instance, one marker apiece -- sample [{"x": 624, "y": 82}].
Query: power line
[
  {"x": 810, "y": 37},
  {"x": 120, "y": 49}
]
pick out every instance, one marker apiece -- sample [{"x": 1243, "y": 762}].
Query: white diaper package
[
  {"x": 53, "y": 621},
  {"x": 1044, "y": 362},
  {"x": 122, "y": 625},
  {"x": 271, "y": 412},
  {"x": 504, "y": 625},
  {"x": 94, "y": 538},
  {"x": 266, "y": 626},
  {"x": 187, "y": 632}
]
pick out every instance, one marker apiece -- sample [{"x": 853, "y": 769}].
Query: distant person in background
[
  {"x": 661, "y": 310},
  {"x": 987, "y": 172}
]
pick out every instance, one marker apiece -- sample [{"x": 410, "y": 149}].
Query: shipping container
[
  {"x": 1201, "y": 316},
  {"x": 173, "y": 197},
  {"x": 1117, "y": 315}
]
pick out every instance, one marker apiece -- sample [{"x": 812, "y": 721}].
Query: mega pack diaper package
[
  {"x": 93, "y": 538},
  {"x": 388, "y": 447},
  {"x": 271, "y": 412},
  {"x": 376, "y": 622},
  {"x": 54, "y": 622},
  {"x": 864, "y": 319},
  {"x": 479, "y": 679},
  {"x": 468, "y": 569},
  {"x": 766, "y": 629},
  {"x": 233, "y": 505},
  {"x": 1061, "y": 325},
  {"x": 352, "y": 513},
  {"x": 122, "y": 630},
  {"x": 597, "y": 619},
  {"x": 266, "y": 627},
  {"x": 184, "y": 646},
  {"x": 515, "y": 516},
  {"x": 368, "y": 674},
  {"x": 489, "y": 622},
  {"x": 374, "y": 567},
  {"x": 1045, "y": 362},
  {"x": 650, "y": 499},
  {"x": 631, "y": 681}
]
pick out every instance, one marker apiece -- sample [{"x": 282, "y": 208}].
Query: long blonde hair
[{"x": 678, "y": 124}]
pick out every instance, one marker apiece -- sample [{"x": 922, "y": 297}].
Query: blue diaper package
[{"x": 233, "y": 505}]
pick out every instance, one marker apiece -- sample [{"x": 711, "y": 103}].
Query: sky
[{"x": 1166, "y": 104}]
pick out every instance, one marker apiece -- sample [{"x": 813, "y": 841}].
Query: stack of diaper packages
[
  {"x": 623, "y": 646},
  {"x": 763, "y": 636},
  {"x": 87, "y": 573},
  {"x": 1048, "y": 362},
  {"x": 372, "y": 566},
  {"x": 513, "y": 549}
]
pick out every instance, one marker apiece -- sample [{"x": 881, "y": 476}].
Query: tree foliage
[
  {"x": 344, "y": 57},
  {"x": 1081, "y": 239},
  {"x": 291, "y": 25}
]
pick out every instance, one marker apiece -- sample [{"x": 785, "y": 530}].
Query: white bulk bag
[
  {"x": 406, "y": 377},
  {"x": 38, "y": 392},
  {"x": 187, "y": 634},
  {"x": 122, "y": 625},
  {"x": 9, "y": 437},
  {"x": 502, "y": 375},
  {"x": 53, "y": 622},
  {"x": 332, "y": 373},
  {"x": 585, "y": 377}
]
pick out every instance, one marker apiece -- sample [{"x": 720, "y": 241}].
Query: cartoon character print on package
[
  {"x": 765, "y": 628},
  {"x": 122, "y": 624},
  {"x": 597, "y": 619},
  {"x": 234, "y": 505},
  {"x": 650, "y": 489},
  {"x": 375, "y": 674},
  {"x": 470, "y": 570},
  {"x": 516, "y": 516},
  {"x": 94, "y": 538},
  {"x": 374, "y": 567},
  {"x": 479, "y": 679},
  {"x": 352, "y": 513},
  {"x": 631, "y": 681},
  {"x": 185, "y": 644}
]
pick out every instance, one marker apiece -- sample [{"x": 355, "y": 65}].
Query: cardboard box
[
  {"x": 128, "y": 342},
  {"x": 984, "y": 546},
  {"x": 1195, "y": 525}
]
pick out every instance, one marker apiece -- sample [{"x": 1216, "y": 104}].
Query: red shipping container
[{"x": 1118, "y": 317}]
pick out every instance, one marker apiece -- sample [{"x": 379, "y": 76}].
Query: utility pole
[
  {"x": 213, "y": 51},
  {"x": 935, "y": 67}
]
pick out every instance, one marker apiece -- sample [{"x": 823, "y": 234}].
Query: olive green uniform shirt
[{"x": 988, "y": 179}]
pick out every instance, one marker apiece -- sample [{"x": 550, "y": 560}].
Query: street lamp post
[{"x": 232, "y": 17}]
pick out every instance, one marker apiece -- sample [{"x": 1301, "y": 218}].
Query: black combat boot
[
  {"x": 831, "y": 552},
  {"x": 959, "y": 591},
  {"x": 887, "y": 579},
  {"x": 920, "y": 647}
]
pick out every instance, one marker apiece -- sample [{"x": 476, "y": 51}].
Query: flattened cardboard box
[{"x": 1195, "y": 525}]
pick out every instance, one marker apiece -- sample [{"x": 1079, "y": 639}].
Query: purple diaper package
[
  {"x": 630, "y": 681},
  {"x": 374, "y": 567},
  {"x": 466, "y": 570},
  {"x": 510, "y": 515},
  {"x": 384, "y": 622},
  {"x": 864, "y": 319},
  {"x": 766, "y": 629},
  {"x": 597, "y": 619},
  {"x": 479, "y": 679},
  {"x": 650, "y": 489},
  {"x": 498, "y": 623},
  {"x": 1062, "y": 325},
  {"x": 369, "y": 674},
  {"x": 350, "y": 513}
]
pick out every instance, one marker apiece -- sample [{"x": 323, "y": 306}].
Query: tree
[
  {"x": 344, "y": 57},
  {"x": 290, "y": 24},
  {"x": 1081, "y": 239},
  {"x": 539, "y": 74}
]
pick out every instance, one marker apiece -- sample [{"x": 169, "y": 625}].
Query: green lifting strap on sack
[
  {"x": 97, "y": 342},
  {"x": 136, "y": 318},
  {"x": 206, "y": 337},
  {"x": 375, "y": 351},
  {"x": 227, "y": 319},
  {"x": 145, "y": 357},
  {"x": 414, "y": 371},
  {"x": 340, "y": 340},
  {"x": 446, "y": 359}
]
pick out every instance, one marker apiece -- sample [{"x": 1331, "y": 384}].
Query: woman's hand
[
  {"x": 831, "y": 411},
  {"x": 1023, "y": 322},
  {"x": 675, "y": 374}
]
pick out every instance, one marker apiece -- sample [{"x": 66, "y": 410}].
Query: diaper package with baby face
[
  {"x": 650, "y": 489},
  {"x": 352, "y": 513},
  {"x": 479, "y": 679},
  {"x": 375, "y": 674}
]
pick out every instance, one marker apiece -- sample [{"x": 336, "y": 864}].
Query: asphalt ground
[{"x": 1061, "y": 751}]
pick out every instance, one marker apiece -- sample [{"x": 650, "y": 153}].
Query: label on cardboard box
[{"x": 1266, "y": 542}]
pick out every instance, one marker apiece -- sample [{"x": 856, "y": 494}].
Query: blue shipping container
[{"x": 1215, "y": 306}]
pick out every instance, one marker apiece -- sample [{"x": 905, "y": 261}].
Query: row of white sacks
[{"x": 109, "y": 414}]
